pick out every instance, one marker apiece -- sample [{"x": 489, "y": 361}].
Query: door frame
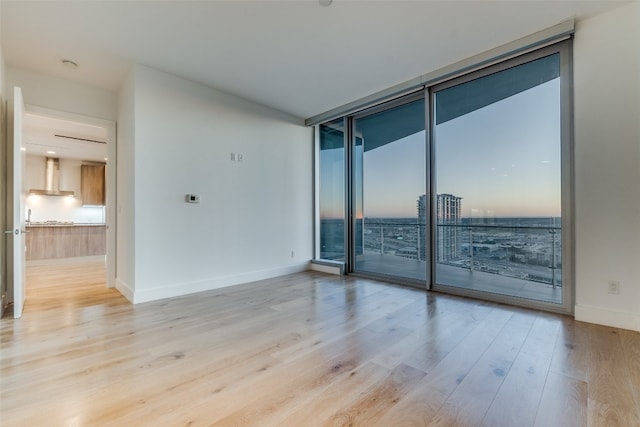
[
  {"x": 351, "y": 196},
  {"x": 14, "y": 206},
  {"x": 4, "y": 117}
]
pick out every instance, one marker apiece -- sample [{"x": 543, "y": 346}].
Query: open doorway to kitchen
[{"x": 69, "y": 183}]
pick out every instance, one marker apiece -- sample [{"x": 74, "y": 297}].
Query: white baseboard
[
  {"x": 179, "y": 289},
  {"x": 125, "y": 290},
  {"x": 601, "y": 316}
]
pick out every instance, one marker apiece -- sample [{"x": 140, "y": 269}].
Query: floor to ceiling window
[
  {"x": 331, "y": 188},
  {"x": 497, "y": 160},
  {"x": 476, "y": 200}
]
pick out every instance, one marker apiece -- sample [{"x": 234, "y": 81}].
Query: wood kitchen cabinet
[
  {"x": 93, "y": 184},
  {"x": 65, "y": 241}
]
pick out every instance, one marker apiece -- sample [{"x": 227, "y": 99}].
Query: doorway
[{"x": 69, "y": 183}]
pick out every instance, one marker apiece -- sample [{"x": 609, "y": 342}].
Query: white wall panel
[
  {"x": 607, "y": 166},
  {"x": 252, "y": 213}
]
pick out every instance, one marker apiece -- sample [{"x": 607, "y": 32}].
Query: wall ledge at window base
[
  {"x": 608, "y": 317},
  {"x": 328, "y": 266}
]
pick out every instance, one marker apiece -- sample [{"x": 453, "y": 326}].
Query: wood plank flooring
[{"x": 304, "y": 350}]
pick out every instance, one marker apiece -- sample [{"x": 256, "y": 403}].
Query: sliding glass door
[
  {"x": 389, "y": 172},
  {"x": 476, "y": 200},
  {"x": 497, "y": 156}
]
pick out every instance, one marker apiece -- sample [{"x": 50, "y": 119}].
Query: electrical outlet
[
  {"x": 192, "y": 198},
  {"x": 614, "y": 287},
  {"x": 233, "y": 157}
]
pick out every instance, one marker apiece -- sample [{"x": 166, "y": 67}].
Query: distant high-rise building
[
  {"x": 422, "y": 222},
  {"x": 449, "y": 207},
  {"x": 422, "y": 209},
  {"x": 448, "y": 212},
  {"x": 448, "y": 234}
]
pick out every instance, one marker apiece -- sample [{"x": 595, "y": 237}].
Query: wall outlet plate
[{"x": 192, "y": 198}]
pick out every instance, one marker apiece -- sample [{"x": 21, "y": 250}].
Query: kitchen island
[{"x": 49, "y": 240}]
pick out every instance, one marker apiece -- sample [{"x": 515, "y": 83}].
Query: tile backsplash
[{"x": 64, "y": 209}]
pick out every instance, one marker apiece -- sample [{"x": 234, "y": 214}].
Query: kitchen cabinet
[
  {"x": 65, "y": 241},
  {"x": 93, "y": 184}
]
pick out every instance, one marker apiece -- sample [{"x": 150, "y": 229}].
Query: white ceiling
[
  {"x": 52, "y": 137},
  {"x": 295, "y": 56}
]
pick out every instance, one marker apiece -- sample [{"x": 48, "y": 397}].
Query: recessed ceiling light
[
  {"x": 69, "y": 64},
  {"x": 51, "y": 152}
]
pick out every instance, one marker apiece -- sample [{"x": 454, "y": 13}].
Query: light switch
[{"x": 192, "y": 198}]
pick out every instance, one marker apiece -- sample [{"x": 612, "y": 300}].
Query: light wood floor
[{"x": 305, "y": 350}]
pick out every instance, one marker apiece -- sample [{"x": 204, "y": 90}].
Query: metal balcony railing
[{"x": 529, "y": 252}]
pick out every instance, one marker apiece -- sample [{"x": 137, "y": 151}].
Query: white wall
[
  {"x": 64, "y": 95},
  {"x": 607, "y": 166},
  {"x": 253, "y": 213}
]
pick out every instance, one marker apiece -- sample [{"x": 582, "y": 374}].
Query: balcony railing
[{"x": 528, "y": 252}]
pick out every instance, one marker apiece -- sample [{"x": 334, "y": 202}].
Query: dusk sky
[{"x": 503, "y": 160}]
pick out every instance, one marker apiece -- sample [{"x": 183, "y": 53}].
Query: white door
[{"x": 15, "y": 199}]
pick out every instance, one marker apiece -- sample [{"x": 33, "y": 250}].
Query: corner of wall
[{"x": 125, "y": 182}]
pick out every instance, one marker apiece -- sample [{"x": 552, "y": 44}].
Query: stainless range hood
[{"x": 51, "y": 180}]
